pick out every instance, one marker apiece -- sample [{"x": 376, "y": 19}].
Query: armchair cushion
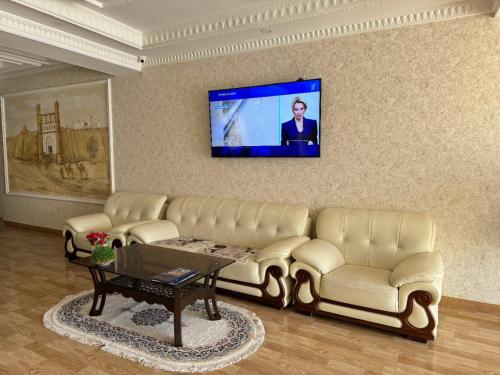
[
  {"x": 421, "y": 267},
  {"x": 87, "y": 223},
  {"x": 320, "y": 255},
  {"x": 280, "y": 249},
  {"x": 360, "y": 286}
]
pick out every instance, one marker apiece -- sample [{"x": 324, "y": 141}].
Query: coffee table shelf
[{"x": 152, "y": 287}]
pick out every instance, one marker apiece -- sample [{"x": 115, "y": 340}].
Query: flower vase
[{"x": 103, "y": 255}]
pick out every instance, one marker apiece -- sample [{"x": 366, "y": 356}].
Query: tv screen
[{"x": 276, "y": 120}]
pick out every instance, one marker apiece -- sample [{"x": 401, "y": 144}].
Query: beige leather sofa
[
  {"x": 371, "y": 267},
  {"x": 122, "y": 211},
  {"x": 260, "y": 236}
]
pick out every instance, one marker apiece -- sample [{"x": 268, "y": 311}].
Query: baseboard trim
[
  {"x": 469, "y": 305},
  {"x": 31, "y": 227}
]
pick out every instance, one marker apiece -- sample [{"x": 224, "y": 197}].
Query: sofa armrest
[
  {"x": 281, "y": 249},
  {"x": 155, "y": 231},
  {"x": 319, "y": 254},
  {"x": 89, "y": 222},
  {"x": 418, "y": 268},
  {"x": 295, "y": 267},
  {"x": 125, "y": 228},
  {"x": 284, "y": 264},
  {"x": 434, "y": 288}
]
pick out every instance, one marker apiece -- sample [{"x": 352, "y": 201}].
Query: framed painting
[{"x": 57, "y": 142}]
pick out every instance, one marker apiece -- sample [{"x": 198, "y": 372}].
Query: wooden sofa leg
[
  {"x": 71, "y": 255},
  {"x": 423, "y": 334},
  {"x": 116, "y": 244},
  {"x": 275, "y": 301},
  {"x": 302, "y": 277},
  {"x": 418, "y": 339}
]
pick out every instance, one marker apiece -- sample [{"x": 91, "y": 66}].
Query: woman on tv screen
[{"x": 299, "y": 130}]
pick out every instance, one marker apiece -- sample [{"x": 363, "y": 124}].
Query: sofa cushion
[
  {"x": 361, "y": 286},
  {"x": 242, "y": 254},
  {"x": 376, "y": 238},
  {"x": 237, "y": 222},
  {"x": 244, "y": 269},
  {"x": 124, "y": 207}
]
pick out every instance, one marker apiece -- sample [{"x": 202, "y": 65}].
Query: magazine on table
[{"x": 175, "y": 276}]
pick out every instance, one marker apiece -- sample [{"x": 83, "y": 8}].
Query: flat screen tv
[{"x": 276, "y": 120}]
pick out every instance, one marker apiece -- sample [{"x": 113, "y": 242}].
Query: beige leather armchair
[
  {"x": 372, "y": 267},
  {"x": 259, "y": 235},
  {"x": 122, "y": 211}
]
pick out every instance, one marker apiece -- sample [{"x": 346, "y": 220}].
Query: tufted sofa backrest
[
  {"x": 376, "y": 238},
  {"x": 237, "y": 222},
  {"x": 127, "y": 207}
]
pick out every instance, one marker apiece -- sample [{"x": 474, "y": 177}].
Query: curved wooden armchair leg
[
  {"x": 116, "y": 244},
  {"x": 303, "y": 277},
  {"x": 69, "y": 247},
  {"x": 423, "y": 334}
]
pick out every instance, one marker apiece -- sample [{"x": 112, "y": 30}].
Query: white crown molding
[
  {"x": 447, "y": 12},
  {"x": 27, "y": 71},
  {"x": 109, "y": 3},
  {"x": 251, "y": 18},
  {"x": 86, "y": 18},
  {"x": 15, "y": 58},
  {"x": 25, "y": 28}
]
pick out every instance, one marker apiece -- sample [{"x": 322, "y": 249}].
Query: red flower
[{"x": 100, "y": 237}]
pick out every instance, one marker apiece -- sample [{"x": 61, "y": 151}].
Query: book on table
[{"x": 175, "y": 276}]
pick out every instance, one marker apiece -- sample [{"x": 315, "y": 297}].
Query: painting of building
[{"x": 57, "y": 142}]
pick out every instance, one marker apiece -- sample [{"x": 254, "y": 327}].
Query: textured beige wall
[{"x": 410, "y": 121}]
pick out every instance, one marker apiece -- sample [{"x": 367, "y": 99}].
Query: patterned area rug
[{"x": 144, "y": 333}]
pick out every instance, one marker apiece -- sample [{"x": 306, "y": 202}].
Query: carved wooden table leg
[
  {"x": 99, "y": 279},
  {"x": 177, "y": 318},
  {"x": 210, "y": 295}
]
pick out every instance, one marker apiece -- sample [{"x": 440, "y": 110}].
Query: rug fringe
[{"x": 66, "y": 331}]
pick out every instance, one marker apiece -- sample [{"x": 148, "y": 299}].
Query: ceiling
[
  {"x": 160, "y": 13},
  {"x": 124, "y": 36}
]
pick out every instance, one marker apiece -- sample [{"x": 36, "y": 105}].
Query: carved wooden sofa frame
[{"x": 421, "y": 297}]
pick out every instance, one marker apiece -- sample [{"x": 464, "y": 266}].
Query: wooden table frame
[{"x": 174, "y": 299}]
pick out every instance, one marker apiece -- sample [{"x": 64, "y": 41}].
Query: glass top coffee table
[{"x": 137, "y": 264}]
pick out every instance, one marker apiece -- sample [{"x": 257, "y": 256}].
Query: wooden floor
[{"x": 34, "y": 275}]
